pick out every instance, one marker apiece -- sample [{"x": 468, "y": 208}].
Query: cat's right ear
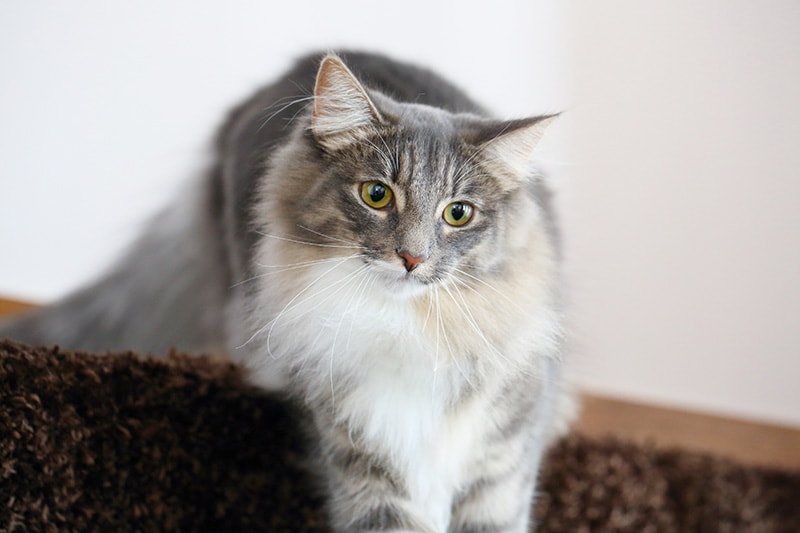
[{"x": 343, "y": 111}]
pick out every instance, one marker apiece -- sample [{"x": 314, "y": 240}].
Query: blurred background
[{"x": 676, "y": 162}]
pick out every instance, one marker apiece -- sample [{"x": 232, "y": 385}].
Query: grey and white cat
[{"x": 383, "y": 251}]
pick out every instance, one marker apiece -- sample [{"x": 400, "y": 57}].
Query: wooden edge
[
  {"x": 745, "y": 441},
  {"x": 13, "y": 307}
]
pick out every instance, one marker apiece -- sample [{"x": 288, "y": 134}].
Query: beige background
[{"x": 682, "y": 212}]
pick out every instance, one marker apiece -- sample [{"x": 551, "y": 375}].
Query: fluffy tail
[{"x": 168, "y": 291}]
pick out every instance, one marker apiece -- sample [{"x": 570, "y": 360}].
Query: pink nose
[{"x": 410, "y": 261}]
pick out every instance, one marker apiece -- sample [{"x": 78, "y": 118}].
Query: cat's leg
[
  {"x": 497, "y": 505},
  {"x": 499, "y": 497},
  {"x": 365, "y": 492},
  {"x": 366, "y": 497}
]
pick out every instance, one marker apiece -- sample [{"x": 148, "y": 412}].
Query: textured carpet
[{"x": 125, "y": 443}]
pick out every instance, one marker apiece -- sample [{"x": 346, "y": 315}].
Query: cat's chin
[
  {"x": 409, "y": 289},
  {"x": 402, "y": 286}
]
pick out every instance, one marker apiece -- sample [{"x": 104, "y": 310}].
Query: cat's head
[{"x": 416, "y": 194}]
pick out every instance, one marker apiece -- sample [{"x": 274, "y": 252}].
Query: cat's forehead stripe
[{"x": 430, "y": 161}]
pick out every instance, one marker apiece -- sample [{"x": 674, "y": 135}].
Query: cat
[{"x": 382, "y": 250}]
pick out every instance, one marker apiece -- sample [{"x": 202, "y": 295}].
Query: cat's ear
[
  {"x": 510, "y": 145},
  {"x": 343, "y": 111}
]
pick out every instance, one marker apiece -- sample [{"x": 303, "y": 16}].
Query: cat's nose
[{"x": 410, "y": 261}]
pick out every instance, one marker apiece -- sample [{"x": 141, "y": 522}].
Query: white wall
[
  {"x": 680, "y": 212},
  {"x": 106, "y": 106}
]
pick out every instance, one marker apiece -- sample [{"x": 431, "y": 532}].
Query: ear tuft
[
  {"x": 342, "y": 108},
  {"x": 512, "y": 144}
]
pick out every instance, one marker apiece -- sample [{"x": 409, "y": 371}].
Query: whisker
[
  {"x": 279, "y": 269},
  {"x": 289, "y": 307},
  {"x": 370, "y": 281},
  {"x": 296, "y": 296},
  {"x": 394, "y": 159},
  {"x": 438, "y": 327},
  {"x": 282, "y": 108},
  {"x": 430, "y": 307},
  {"x": 294, "y": 116},
  {"x": 467, "y": 314},
  {"x": 453, "y": 358},
  {"x": 307, "y": 355},
  {"x": 459, "y": 281},
  {"x": 339, "y": 327},
  {"x": 387, "y": 161},
  {"x": 331, "y": 237},
  {"x": 491, "y": 287},
  {"x": 310, "y": 262},
  {"x": 297, "y": 241},
  {"x": 303, "y": 89},
  {"x": 467, "y": 166}
]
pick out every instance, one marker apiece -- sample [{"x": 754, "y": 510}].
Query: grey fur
[
  {"x": 285, "y": 188},
  {"x": 169, "y": 290}
]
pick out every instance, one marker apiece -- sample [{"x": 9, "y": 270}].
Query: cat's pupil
[
  {"x": 377, "y": 192},
  {"x": 457, "y": 211}
]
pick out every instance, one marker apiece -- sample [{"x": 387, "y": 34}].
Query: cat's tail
[{"x": 167, "y": 291}]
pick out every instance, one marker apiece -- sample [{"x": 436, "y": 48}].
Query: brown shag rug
[{"x": 126, "y": 443}]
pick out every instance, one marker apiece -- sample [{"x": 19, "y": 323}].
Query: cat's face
[
  {"x": 418, "y": 203},
  {"x": 416, "y": 195}
]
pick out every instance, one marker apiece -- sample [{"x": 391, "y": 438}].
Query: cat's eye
[
  {"x": 375, "y": 194},
  {"x": 457, "y": 213}
]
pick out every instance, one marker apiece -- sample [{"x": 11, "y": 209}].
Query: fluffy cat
[{"x": 382, "y": 250}]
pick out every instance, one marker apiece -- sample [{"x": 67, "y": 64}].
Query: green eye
[
  {"x": 375, "y": 194},
  {"x": 457, "y": 213}
]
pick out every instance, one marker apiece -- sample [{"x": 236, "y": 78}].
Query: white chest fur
[
  {"x": 401, "y": 404},
  {"x": 390, "y": 369}
]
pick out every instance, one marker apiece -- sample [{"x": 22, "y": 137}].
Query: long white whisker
[
  {"x": 294, "y": 116},
  {"x": 296, "y": 296},
  {"x": 453, "y": 356},
  {"x": 339, "y": 327},
  {"x": 459, "y": 281},
  {"x": 362, "y": 290},
  {"x": 385, "y": 157},
  {"x": 467, "y": 165},
  {"x": 438, "y": 328},
  {"x": 282, "y": 108},
  {"x": 297, "y": 241},
  {"x": 467, "y": 314},
  {"x": 325, "y": 235},
  {"x": 307, "y": 355},
  {"x": 310, "y": 262},
  {"x": 430, "y": 308},
  {"x": 395, "y": 168},
  {"x": 278, "y": 269},
  {"x": 289, "y": 306},
  {"x": 491, "y": 287}
]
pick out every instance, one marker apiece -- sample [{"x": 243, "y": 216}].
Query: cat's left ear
[
  {"x": 510, "y": 145},
  {"x": 343, "y": 111}
]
